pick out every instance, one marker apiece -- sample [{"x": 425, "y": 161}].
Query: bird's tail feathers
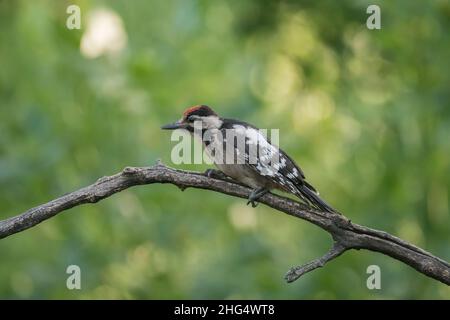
[
  {"x": 309, "y": 186},
  {"x": 312, "y": 196}
]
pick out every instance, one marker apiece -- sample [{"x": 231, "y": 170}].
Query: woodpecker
[{"x": 268, "y": 168}]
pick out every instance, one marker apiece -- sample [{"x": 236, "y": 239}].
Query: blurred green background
[{"x": 364, "y": 112}]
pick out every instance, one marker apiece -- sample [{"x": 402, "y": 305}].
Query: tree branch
[
  {"x": 296, "y": 272},
  {"x": 346, "y": 235}
]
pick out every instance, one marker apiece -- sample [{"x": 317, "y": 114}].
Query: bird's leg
[
  {"x": 255, "y": 195},
  {"x": 213, "y": 173}
]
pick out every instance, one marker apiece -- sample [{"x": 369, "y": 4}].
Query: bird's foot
[
  {"x": 215, "y": 174},
  {"x": 254, "y": 204},
  {"x": 255, "y": 195}
]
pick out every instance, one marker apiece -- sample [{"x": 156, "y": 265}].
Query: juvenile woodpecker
[{"x": 267, "y": 168}]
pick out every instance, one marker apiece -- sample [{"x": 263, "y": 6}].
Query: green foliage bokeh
[{"x": 364, "y": 112}]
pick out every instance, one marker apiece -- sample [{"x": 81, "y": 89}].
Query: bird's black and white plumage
[{"x": 243, "y": 153}]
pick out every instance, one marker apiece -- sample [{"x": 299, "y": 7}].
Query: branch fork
[{"x": 346, "y": 235}]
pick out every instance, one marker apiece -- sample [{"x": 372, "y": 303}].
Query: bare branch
[
  {"x": 296, "y": 272},
  {"x": 346, "y": 235}
]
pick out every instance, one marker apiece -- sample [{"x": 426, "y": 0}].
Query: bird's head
[{"x": 199, "y": 114}]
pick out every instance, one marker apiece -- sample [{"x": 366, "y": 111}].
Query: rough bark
[{"x": 346, "y": 235}]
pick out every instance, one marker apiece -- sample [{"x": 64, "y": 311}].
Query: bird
[{"x": 255, "y": 161}]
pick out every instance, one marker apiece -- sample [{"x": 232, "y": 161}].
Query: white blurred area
[
  {"x": 242, "y": 217},
  {"x": 104, "y": 35}
]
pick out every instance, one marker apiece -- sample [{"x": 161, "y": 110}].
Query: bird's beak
[{"x": 173, "y": 126}]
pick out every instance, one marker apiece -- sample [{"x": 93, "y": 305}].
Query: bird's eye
[{"x": 191, "y": 118}]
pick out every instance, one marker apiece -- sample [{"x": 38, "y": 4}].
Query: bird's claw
[
  {"x": 255, "y": 195},
  {"x": 254, "y": 204},
  {"x": 215, "y": 174}
]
